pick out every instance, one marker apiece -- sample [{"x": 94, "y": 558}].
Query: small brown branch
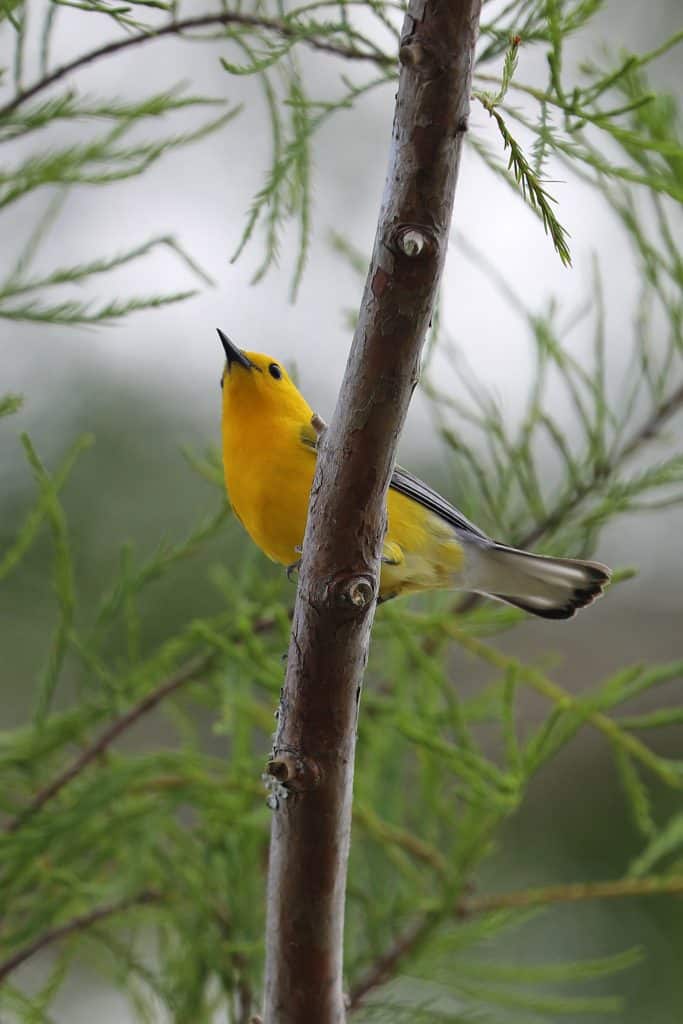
[
  {"x": 188, "y": 672},
  {"x": 404, "y": 945},
  {"x": 648, "y": 431},
  {"x": 185, "y": 674},
  {"x": 405, "y": 840},
  {"x": 653, "y": 424},
  {"x": 176, "y": 28},
  {"x": 346, "y": 523},
  {"x": 384, "y": 967},
  {"x": 577, "y": 892},
  {"x": 243, "y": 992},
  {"x": 76, "y": 924},
  {"x": 246, "y": 1000}
]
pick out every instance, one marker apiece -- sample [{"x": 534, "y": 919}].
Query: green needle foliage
[{"x": 146, "y": 861}]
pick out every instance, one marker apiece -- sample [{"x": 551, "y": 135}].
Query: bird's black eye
[
  {"x": 275, "y": 371},
  {"x": 221, "y": 383}
]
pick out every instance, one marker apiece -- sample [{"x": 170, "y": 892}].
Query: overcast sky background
[{"x": 201, "y": 195}]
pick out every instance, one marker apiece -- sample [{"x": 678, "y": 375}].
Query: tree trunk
[{"x": 313, "y": 755}]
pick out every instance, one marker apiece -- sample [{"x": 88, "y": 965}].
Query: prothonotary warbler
[{"x": 269, "y": 453}]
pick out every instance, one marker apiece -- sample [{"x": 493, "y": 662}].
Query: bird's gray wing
[{"x": 405, "y": 483}]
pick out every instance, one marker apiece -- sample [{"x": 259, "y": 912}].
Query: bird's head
[{"x": 255, "y": 383}]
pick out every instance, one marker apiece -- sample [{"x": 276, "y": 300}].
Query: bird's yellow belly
[
  {"x": 421, "y": 550},
  {"x": 272, "y": 507}
]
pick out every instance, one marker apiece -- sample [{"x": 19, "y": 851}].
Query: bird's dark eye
[
  {"x": 221, "y": 383},
  {"x": 275, "y": 371}
]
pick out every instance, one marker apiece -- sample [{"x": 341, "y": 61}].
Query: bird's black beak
[{"x": 232, "y": 353}]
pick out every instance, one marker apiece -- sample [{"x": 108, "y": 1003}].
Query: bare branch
[
  {"x": 346, "y": 523},
  {"x": 188, "y": 672},
  {"x": 176, "y": 28},
  {"x": 654, "y": 423},
  {"x": 76, "y": 924},
  {"x": 185, "y": 674},
  {"x": 577, "y": 892},
  {"x": 648, "y": 431},
  {"x": 385, "y": 967}
]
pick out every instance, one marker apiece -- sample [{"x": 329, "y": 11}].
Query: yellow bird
[{"x": 269, "y": 453}]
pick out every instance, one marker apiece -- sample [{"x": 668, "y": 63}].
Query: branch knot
[
  {"x": 352, "y": 591},
  {"x": 293, "y": 770},
  {"x": 412, "y": 54},
  {"x": 414, "y": 241}
]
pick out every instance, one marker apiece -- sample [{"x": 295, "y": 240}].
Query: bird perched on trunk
[{"x": 269, "y": 452}]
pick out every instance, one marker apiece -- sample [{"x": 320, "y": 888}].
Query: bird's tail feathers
[{"x": 554, "y": 588}]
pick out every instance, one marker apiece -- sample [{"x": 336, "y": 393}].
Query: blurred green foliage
[
  {"x": 176, "y": 821},
  {"x": 144, "y": 669}
]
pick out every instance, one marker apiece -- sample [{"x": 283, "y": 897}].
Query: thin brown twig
[
  {"x": 76, "y": 924},
  {"x": 245, "y": 997},
  {"x": 281, "y": 28},
  {"x": 648, "y": 431},
  {"x": 405, "y": 944},
  {"x": 185, "y": 674},
  {"x": 575, "y": 892},
  {"x": 384, "y": 967},
  {"x": 654, "y": 423},
  {"x": 188, "y": 672},
  {"x": 367, "y": 818}
]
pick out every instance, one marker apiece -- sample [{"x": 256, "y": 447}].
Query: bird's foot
[{"x": 294, "y": 567}]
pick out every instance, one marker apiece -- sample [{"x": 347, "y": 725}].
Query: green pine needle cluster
[
  {"x": 97, "y": 840},
  {"x": 146, "y": 861},
  {"x": 103, "y": 159},
  {"x": 596, "y": 477}
]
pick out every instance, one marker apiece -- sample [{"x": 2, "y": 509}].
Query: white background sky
[{"x": 201, "y": 195}]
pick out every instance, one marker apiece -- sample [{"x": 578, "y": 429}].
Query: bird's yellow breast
[
  {"x": 268, "y": 475},
  {"x": 268, "y": 479}
]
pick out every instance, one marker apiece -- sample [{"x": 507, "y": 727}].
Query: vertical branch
[{"x": 314, "y": 748}]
